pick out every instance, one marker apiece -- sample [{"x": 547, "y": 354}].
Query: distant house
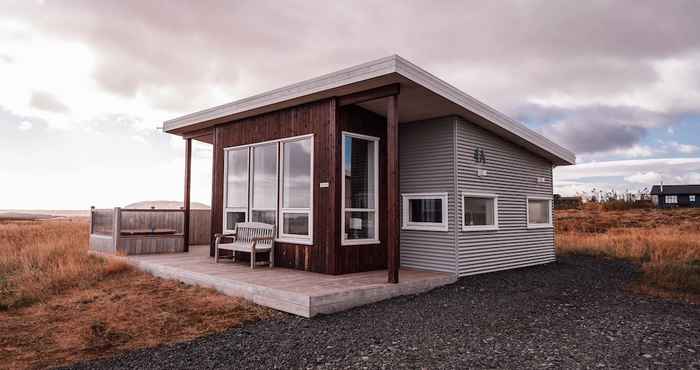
[
  {"x": 671, "y": 196},
  {"x": 567, "y": 202}
]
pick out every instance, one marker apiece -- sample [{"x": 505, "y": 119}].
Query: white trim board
[{"x": 390, "y": 68}]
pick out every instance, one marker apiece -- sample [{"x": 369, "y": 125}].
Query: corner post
[
  {"x": 92, "y": 220},
  {"x": 217, "y": 188},
  {"x": 392, "y": 183},
  {"x": 116, "y": 228},
  {"x": 188, "y": 181}
]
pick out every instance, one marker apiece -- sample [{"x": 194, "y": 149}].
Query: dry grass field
[
  {"x": 665, "y": 243},
  {"x": 59, "y": 305}
]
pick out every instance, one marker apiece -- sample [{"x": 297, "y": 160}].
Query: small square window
[
  {"x": 425, "y": 211},
  {"x": 691, "y": 198},
  {"x": 539, "y": 212},
  {"x": 479, "y": 212}
]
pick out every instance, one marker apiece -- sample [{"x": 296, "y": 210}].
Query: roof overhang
[{"x": 422, "y": 96}]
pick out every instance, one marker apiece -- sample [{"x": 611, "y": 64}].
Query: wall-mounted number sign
[{"x": 479, "y": 156}]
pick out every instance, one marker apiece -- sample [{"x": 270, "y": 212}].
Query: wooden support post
[
  {"x": 392, "y": 191},
  {"x": 92, "y": 220},
  {"x": 116, "y": 228},
  {"x": 188, "y": 181},
  {"x": 217, "y": 188}
]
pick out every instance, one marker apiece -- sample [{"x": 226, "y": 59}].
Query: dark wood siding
[
  {"x": 322, "y": 119},
  {"x": 359, "y": 258},
  {"x": 313, "y": 118}
]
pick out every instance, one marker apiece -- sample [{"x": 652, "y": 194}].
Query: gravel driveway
[{"x": 570, "y": 314}]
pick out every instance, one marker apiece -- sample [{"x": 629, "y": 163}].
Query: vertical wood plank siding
[
  {"x": 512, "y": 175},
  {"x": 426, "y": 158},
  {"x": 118, "y": 240},
  {"x": 313, "y": 118},
  {"x": 357, "y": 258}
]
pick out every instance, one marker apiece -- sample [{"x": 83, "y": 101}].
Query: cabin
[
  {"x": 378, "y": 166},
  {"x": 672, "y": 196}
]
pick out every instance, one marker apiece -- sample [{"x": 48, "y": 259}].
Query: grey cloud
[
  {"x": 595, "y": 129},
  {"x": 175, "y": 52},
  {"x": 47, "y": 102}
]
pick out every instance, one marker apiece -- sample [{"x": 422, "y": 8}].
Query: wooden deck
[{"x": 298, "y": 292}]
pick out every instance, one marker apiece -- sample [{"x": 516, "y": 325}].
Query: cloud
[
  {"x": 47, "y": 102},
  {"x": 598, "y": 129},
  {"x": 649, "y": 177},
  {"x": 600, "y": 78},
  {"x": 25, "y": 126},
  {"x": 684, "y": 148},
  {"x": 536, "y": 50},
  {"x": 626, "y": 175}
]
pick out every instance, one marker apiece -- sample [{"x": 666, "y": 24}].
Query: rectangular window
[
  {"x": 264, "y": 184},
  {"x": 259, "y": 175},
  {"x": 671, "y": 199},
  {"x": 360, "y": 185},
  {"x": 539, "y": 212},
  {"x": 691, "y": 198},
  {"x": 236, "y": 188},
  {"x": 425, "y": 211},
  {"x": 297, "y": 190},
  {"x": 479, "y": 211}
]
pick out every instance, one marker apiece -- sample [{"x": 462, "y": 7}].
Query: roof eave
[{"x": 374, "y": 69}]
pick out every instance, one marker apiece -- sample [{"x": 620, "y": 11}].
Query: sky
[{"x": 84, "y": 85}]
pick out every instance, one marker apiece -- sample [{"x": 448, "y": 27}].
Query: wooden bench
[{"x": 250, "y": 237}]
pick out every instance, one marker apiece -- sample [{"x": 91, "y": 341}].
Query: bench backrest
[{"x": 246, "y": 231}]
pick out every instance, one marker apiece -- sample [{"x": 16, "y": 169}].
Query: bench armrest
[{"x": 220, "y": 236}]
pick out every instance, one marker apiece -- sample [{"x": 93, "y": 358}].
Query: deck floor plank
[{"x": 298, "y": 292}]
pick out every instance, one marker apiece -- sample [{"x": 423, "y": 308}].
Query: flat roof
[{"x": 422, "y": 96}]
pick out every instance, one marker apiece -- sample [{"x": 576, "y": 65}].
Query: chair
[{"x": 250, "y": 237}]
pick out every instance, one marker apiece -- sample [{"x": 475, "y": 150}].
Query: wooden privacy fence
[{"x": 144, "y": 231}]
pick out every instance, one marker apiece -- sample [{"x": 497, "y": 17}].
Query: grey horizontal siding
[
  {"x": 426, "y": 160},
  {"x": 512, "y": 175}
]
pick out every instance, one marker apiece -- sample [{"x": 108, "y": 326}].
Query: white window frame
[
  {"x": 344, "y": 210},
  {"x": 668, "y": 197},
  {"x": 293, "y": 238},
  {"x": 251, "y": 178},
  {"x": 235, "y": 209},
  {"x": 527, "y": 212},
  {"x": 303, "y": 240},
  {"x": 424, "y": 226},
  {"x": 691, "y": 198},
  {"x": 495, "y": 211}
]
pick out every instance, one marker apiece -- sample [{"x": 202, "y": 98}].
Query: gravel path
[{"x": 570, "y": 314}]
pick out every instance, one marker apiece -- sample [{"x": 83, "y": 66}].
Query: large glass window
[
  {"x": 236, "y": 188},
  {"x": 264, "y": 183},
  {"x": 360, "y": 189},
  {"x": 425, "y": 211},
  {"x": 296, "y": 188},
  {"x": 253, "y": 186},
  {"x": 539, "y": 212},
  {"x": 479, "y": 211}
]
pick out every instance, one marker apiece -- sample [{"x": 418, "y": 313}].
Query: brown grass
[
  {"x": 666, "y": 243},
  {"x": 61, "y": 305}
]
